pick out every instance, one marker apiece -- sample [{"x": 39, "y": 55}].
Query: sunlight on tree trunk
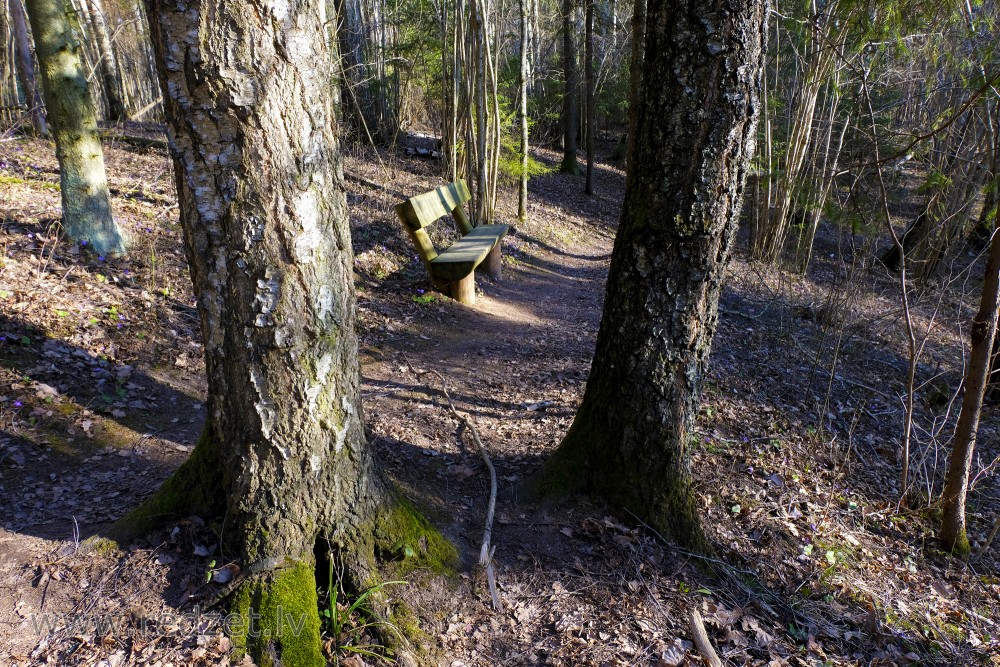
[
  {"x": 86, "y": 203},
  {"x": 629, "y": 439},
  {"x": 253, "y": 136},
  {"x": 984, "y": 330},
  {"x": 571, "y": 110}
]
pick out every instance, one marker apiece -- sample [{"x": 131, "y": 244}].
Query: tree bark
[
  {"x": 635, "y": 77},
  {"x": 252, "y": 131},
  {"x": 86, "y": 203},
  {"x": 110, "y": 74},
  {"x": 984, "y": 330},
  {"x": 591, "y": 115},
  {"x": 571, "y": 107},
  {"x": 695, "y": 135},
  {"x": 26, "y": 68},
  {"x": 522, "y": 194}
]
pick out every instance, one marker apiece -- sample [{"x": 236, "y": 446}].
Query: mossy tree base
[
  {"x": 957, "y": 545},
  {"x": 274, "y": 612},
  {"x": 655, "y": 488}
]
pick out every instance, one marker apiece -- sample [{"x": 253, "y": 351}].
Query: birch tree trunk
[
  {"x": 86, "y": 203},
  {"x": 26, "y": 67},
  {"x": 695, "y": 135},
  {"x": 984, "y": 331},
  {"x": 252, "y": 132}
]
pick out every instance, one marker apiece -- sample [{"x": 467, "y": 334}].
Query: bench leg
[
  {"x": 493, "y": 263},
  {"x": 464, "y": 290}
]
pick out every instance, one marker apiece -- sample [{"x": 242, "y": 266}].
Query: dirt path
[{"x": 100, "y": 399}]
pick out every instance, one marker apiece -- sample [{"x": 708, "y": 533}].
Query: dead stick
[
  {"x": 989, "y": 540},
  {"x": 486, "y": 551},
  {"x": 701, "y": 640}
]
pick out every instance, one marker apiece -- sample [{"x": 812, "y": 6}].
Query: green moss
[
  {"x": 194, "y": 488},
  {"x": 14, "y": 180},
  {"x": 102, "y": 546},
  {"x": 276, "y": 619},
  {"x": 403, "y": 533},
  {"x": 404, "y": 620},
  {"x": 961, "y": 547}
]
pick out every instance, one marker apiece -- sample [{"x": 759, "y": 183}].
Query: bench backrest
[{"x": 426, "y": 209}]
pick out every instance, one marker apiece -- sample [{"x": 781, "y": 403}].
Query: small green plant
[
  {"x": 349, "y": 621},
  {"x": 423, "y": 299}
]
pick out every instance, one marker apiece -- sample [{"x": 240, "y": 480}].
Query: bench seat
[{"x": 467, "y": 253}]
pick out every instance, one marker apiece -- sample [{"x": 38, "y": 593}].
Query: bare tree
[
  {"x": 701, "y": 68},
  {"x": 984, "y": 331},
  {"x": 86, "y": 203},
  {"x": 26, "y": 68}
]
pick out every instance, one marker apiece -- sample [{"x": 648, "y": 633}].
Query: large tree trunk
[
  {"x": 26, "y": 68},
  {"x": 695, "y": 135},
  {"x": 571, "y": 106},
  {"x": 253, "y": 135},
  {"x": 110, "y": 74},
  {"x": 984, "y": 330},
  {"x": 86, "y": 203}
]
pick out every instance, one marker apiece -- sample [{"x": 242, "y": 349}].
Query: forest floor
[{"x": 102, "y": 390}]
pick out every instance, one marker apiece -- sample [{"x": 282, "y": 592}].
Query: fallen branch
[
  {"x": 701, "y": 640},
  {"x": 139, "y": 142},
  {"x": 486, "y": 551}
]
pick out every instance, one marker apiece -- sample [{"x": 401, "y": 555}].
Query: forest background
[{"x": 830, "y": 415}]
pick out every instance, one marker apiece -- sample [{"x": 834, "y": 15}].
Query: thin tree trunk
[
  {"x": 591, "y": 115},
  {"x": 26, "y": 68},
  {"x": 635, "y": 77},
  {"x": 110, "y": 75},
  {"x": 628, "y": 441},
  {"x": 86, "y": 203},
  {"x": 522, "y": 195},
  {"x": 571, "y": 121},
  {"x": 983, "y": 334}
]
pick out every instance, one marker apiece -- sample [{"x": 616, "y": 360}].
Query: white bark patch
[
  {"x": 307, "y": 211},
  {"x": 268, "y": 293},
  {"x": 279, "y": 9},
  {"x": 323, "y": 368},
  {"x": 325, "y": 302},
  {"x": 242, "y": 91},
  {"x": 315, "y": 464},
  {"x": 341, "y": 432},
  {"x": 264, "y": 406}
]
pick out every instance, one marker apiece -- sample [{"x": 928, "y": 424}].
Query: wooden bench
[{"x": 454, "y": 269}]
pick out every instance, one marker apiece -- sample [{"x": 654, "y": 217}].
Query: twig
[
  {"x": 486, "y": 551},
  {"x": 989, "y": 540},
  {"x": 701, "y": 640}
]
